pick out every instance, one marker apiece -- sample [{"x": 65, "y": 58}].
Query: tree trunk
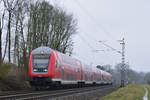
[
  {"x": 5, "y": 47},
  {"x": 0, "y": 45},
  {"x": 9, "y": 37}
]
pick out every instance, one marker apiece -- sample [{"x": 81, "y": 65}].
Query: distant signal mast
[
  {"x": 123, "y": 75},
  {"x": 123, "y": 69}
]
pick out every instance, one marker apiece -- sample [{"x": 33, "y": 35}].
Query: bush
[
  {"x": 19, "y": 73},
  {"x": 4, "y": 69}
]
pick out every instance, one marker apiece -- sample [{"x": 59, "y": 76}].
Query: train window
[
  {"x": 69, "y": 61},
  {"x": 41, "y": 61},
  {"x": 78, "y": 70}
]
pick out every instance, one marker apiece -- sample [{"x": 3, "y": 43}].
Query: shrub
[
  {"x": 4, "y": 69},
  {"x": 19, "y": 73}
]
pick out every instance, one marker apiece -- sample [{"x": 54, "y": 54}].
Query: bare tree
[
  {"x": 50, "y": 26},
  {"x": 10, "y": 5},
  {"x": 20, "y": 46},
  {"x": 36, "y": 24},
  {"x": 1, "y": 29}
]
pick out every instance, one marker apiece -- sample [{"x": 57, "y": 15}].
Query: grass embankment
[
  {"x": 12, "y": 77},
  {"x": 133, "y": 92}
]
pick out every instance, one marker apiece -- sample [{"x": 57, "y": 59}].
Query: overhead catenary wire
[
  {"x": 91, "y": 47},
  {"x": 84, "y": 40},
  {"x": 92, "y": 18},
  {"x": 113, "y": 49}
]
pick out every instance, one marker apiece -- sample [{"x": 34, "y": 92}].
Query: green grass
[
  {"x": 4, "y": 69},
  {"x": 133, "y": 92}
]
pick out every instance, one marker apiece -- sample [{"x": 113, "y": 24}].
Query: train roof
[
  {"x": 42, "y": 49},
  {"x": 95, "y": 69},
  {"x": 47, "y": 50}
]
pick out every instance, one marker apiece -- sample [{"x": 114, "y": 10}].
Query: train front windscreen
[{"x": 40, "y": 63}]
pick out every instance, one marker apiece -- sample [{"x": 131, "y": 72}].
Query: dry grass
[{"x": 133, "y": 92}]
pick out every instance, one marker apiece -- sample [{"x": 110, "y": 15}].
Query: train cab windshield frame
[{"x": 41, "y": 61}]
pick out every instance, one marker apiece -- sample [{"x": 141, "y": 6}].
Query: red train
[{"x": 48, "y": 67}]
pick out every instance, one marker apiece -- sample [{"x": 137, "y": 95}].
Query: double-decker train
[{"x": 48, "y": 68}]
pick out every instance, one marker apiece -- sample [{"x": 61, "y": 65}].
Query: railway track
[
  {"x": 14, "y": 92},
  {"x": 42, "y": 95}
]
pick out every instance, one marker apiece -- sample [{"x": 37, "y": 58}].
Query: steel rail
[
  {"x": 46, "y": 94},
  {"x": 81, "y": 90}
]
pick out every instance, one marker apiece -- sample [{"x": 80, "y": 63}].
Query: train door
[
  {"x": 63, "y": 69},
  {"x": 79, "y": 75},
  {"x": 57, "y": 69},
  {"x": 82, "y": 73}
]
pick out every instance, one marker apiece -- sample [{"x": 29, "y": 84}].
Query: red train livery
[{"x": 48, "y": 67}]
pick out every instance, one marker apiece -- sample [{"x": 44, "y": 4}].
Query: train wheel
[{"x": 37, "y": 88}]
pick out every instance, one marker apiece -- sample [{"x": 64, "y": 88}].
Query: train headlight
[
  {"x": 45, "y": 70},
  {"x": 35, "y": 70}
]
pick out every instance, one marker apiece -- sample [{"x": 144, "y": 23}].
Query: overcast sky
[{"x": 110, "y": 20}]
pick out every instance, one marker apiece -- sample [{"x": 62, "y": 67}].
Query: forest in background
[{"x": 132, "y": 76}]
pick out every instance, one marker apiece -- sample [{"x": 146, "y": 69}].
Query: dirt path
[{"x": 146, "y": 93}]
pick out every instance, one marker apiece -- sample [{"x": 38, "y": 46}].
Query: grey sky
[{"x": 108, "y": 20}]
